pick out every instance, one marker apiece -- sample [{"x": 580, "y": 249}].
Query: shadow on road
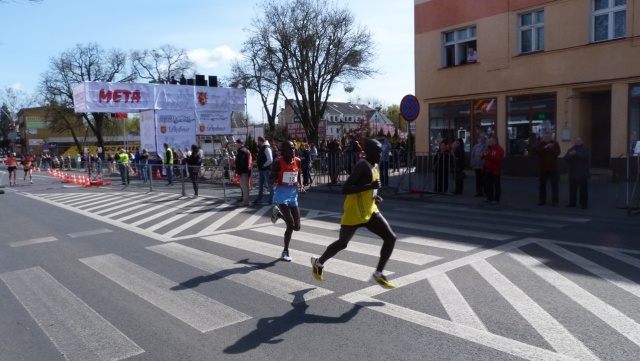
[
  {"x": 269, "y": 328},
  {"x": 197, "y": 281}
]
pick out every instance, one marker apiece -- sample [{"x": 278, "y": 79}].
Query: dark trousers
[
  {"x": 124, "y": 172},
  {"x": 492, "y": 188},
  {"x": 574, "y": 187},
  {"x": 384, "y": 172},
  {"x": 194, "y": 180},
  {"x": 479, "y": 182},
  {"x": 553, "y": 178}
]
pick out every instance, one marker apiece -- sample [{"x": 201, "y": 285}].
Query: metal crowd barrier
[{"x": 626, "y": 170}]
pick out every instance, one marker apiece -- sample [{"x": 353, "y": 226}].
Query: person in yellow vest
[
  {"x": 168, "y": 163},
  {"x": 122, "y": 159},
  {"x": 12, "y": 167},
  {"x": 360, "y": 209},
  {"x": 27, "y": 164},
  {"x": 285, "y": 174}
]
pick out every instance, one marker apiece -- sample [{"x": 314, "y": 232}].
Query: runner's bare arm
[{"x": 359, "y": 180}]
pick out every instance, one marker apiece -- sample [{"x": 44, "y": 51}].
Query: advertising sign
[
  {"x": 213, "y": 123},
  {"x": 176, "y": 128}
]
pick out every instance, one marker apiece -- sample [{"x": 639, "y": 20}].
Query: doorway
[{"x": 601, "y": 130}]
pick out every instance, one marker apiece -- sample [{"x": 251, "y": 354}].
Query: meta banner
[{"x": 135, "y": 97}]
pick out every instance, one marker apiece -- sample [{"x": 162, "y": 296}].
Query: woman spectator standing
[
  {"x": 305, "y": 157},
  {"x": 144, "y": 169},
  {"x": 194, "y": 161}
]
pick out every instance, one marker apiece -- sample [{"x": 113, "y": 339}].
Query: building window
[
  {"x": 529, "y": 117},
  {"x": 531, "y": 31},
  {"x": 465, "y": 120},
  {"x": 459, "y": 47},
  {"x": 634, "y": 119},
  {"x": 608, "y": 20}
]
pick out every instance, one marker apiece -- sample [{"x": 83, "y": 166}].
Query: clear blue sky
[{"x": 212, "y": 31}]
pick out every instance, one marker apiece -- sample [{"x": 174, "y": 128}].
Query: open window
[{"x": 459, "y": 47}]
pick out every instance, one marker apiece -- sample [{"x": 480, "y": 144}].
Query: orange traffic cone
[
  {"x": 108, "y": 180},
  {"x": 235, "y": 179},
  {"x": 99, "y": 182},
  {"x": 158, "y": 174},
  {"x": 87, "y": 182}
]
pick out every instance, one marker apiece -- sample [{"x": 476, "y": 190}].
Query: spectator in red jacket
[{"x": 493, "y": 157}]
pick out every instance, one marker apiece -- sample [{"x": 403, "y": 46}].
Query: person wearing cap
[
  {"x": 285, "y": 174},
  {"x": 12, "y": 167},
  {"x": 243, "y": 169},
  {"x": 122, "y": 159}
]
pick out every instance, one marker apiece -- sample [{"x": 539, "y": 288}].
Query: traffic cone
[
  {"x": 158, "y": 174},
  {"x": 235, "y": 179},
  {"x": 74, "y": 180},
  {"x": 108, "y": 180},
  {"x": 99, "y": 182},
  {"x": 87, "y": 182}
]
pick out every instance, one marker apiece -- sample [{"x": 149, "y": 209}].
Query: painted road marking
[
  {"x": 190, "y": 307},
  {"x": 357, "y": 247},
  {"x": 32, "y": 241},
  {"x": 78, "y": 331},
  {"x": 261, "y": 280},
  {"x": 89, "y": 233},
  {"x": 336, "y": 266},
  {"x": 454, "y": 303}
]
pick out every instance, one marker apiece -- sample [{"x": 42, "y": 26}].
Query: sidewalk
[{"x": 521, "y": 194}]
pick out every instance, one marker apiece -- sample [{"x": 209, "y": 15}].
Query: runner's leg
[
  {"x": 291, "y": 216},
  {"x": 346, "y": 233},
  {"x": 380, "y": 227}
]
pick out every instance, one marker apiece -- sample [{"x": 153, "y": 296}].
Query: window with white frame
[
  {"x": 531, "y": 31},
  {"x": 608, "y": 20},
  {"x": 459, "y": 47}
]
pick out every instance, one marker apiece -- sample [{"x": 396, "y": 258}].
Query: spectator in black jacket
[
  {"x": 577, "y": 159},
  {"x": 194, "y": 161},
  {"x": 265, "y": 158},
  {"x": 243, "y": 169}
]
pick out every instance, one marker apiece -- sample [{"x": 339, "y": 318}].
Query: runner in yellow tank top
[{"x": 360, "y": 209}]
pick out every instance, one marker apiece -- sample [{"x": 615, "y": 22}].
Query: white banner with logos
[
  {"x": 213, "y": 123},
  {"x": 135, "y": 97},
  {"x": 176, "y": 128},
  {"x": 148, "y": 131}
]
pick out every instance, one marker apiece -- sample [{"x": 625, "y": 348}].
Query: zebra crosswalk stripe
[
  {"x": 128, "y": 208},
  {"x": 259, "y": 279},
  {"x": 485, "y": 338},
  {"x": 186, "y": 225},
  {"x": 547, "y": 326},
  {"x": 454, "y": 303},
  {"x": 150, "y": 210},
  {"x": 357, "y": 247},
  {"x": 430, "y": 242},
  {"x": 114, "y": 203},
  {"x": 160, "y": 214},
  {"x": 336, "y": 266},
  {"x": 77, "y": 330},
  {"x": 604, "y": 273},
  {"x": 607, "y": 313},
  {"x": 192, "y": 308}
]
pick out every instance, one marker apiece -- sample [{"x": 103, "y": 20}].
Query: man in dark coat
[
  {"x": 577, "y": 159},
  {"x": 548, "y": 150},
  {"x": 243, "y": 169}
]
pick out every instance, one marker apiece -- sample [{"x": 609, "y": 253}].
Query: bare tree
[
  {"x": 161, "y": 63},
  {"x": 260, "y": 72},
  {"x": 317, "y": 46},
  {"x": 82, "y": 63},
  {"x": 16, "y": 99}
]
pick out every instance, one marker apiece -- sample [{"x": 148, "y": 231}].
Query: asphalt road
[{"x": 114, "y": 274}]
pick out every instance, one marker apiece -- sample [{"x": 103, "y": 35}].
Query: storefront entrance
[{"x": 600, "y": 130}]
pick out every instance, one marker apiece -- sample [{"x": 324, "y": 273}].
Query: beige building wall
[{"x": 571, "y": 65}]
